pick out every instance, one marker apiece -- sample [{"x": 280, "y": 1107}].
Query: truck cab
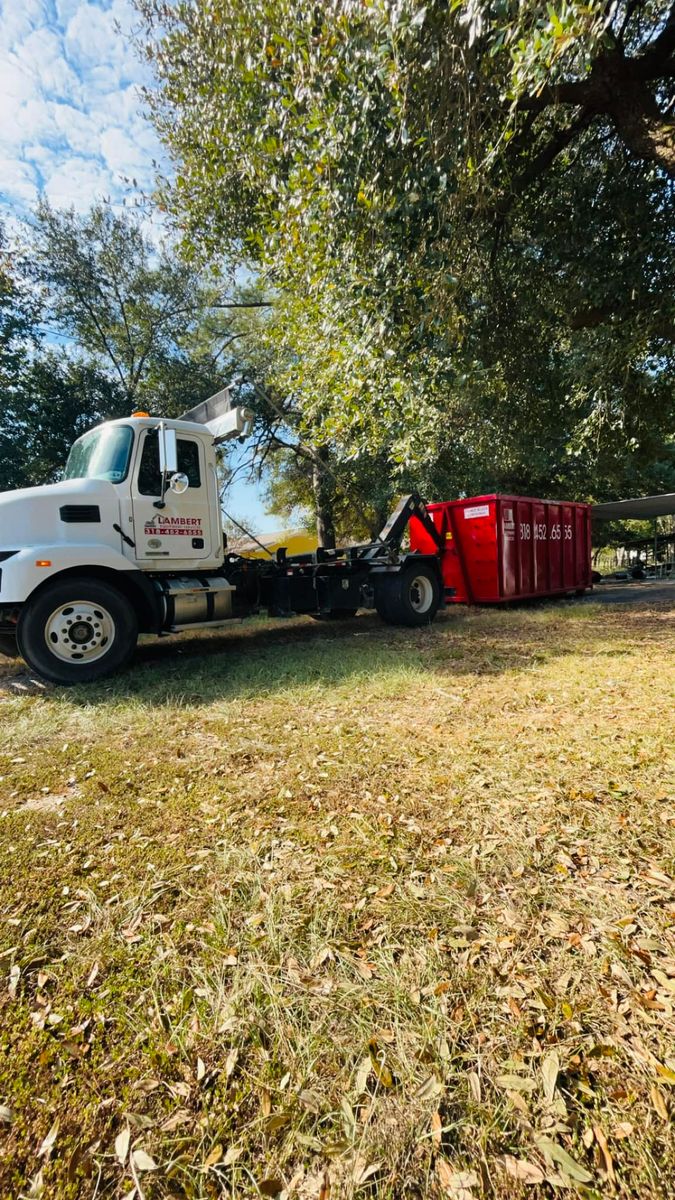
[
  {"x": 165, "y": 524},
  {"x": 129, "y": 540}
]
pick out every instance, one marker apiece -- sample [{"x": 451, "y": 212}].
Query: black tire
[
  {"x": 411, "y": 597},
  {"x": 335, "y": 614},
  {"x": 94, "y": 639}
]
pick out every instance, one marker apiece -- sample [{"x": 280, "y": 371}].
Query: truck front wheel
[
  {"x": 411, "y": 597},
  {"x": 77, "y": 630}
]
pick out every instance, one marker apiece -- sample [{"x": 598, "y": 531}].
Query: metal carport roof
[{"x": 638, "y": 509}]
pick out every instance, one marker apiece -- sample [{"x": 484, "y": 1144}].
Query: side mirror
[
  {"x": 168, "y": 451},
  {"x": 179, "y": 483}
]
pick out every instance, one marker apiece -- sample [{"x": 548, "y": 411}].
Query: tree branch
[
  {"x": 659, "y": 53},
  {"x": 662, "y": 324},
  {"x": 543, "y": 160}
]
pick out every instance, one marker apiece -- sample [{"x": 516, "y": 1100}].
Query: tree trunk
[{"x": 323, "y": 501}]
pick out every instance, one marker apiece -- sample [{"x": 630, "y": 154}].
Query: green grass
[{"x": 344, "y": 910}]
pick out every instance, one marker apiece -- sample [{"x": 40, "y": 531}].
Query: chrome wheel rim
[
  {"x": 79, "y": 632},
  {"x": 421, "y": 593}
]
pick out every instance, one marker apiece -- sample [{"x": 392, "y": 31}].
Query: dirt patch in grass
[{"x": 347, "y": 911}]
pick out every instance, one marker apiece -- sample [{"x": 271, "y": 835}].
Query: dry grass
[{"x": 334, "y": 911}]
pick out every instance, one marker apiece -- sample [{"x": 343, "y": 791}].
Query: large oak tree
[{"x": 465, "y": 210}]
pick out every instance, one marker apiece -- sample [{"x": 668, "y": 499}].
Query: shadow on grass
[
  {"x": 257, "y": 658},
  {"x": 260, "y": 657}
]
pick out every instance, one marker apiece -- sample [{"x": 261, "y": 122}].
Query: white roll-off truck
[{"x": 131, "y": 541}]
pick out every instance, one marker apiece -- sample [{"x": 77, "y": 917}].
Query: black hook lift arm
[{"x": 410, "y": 506}]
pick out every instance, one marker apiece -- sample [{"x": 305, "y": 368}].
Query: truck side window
[{"x": 149, "y": 477}]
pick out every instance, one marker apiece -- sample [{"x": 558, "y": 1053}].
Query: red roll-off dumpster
[{"x": 499, "y": 548}]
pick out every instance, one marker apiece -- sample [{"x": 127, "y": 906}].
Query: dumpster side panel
[
  {"x": 501, "y": 548},
  {"x": 541, "y": 546},
  {"x": 524, "y": 543},
  {"x": 553, "y": 527},
  {"x": 568, "y": 524},
  {"x": 476, "y": 528}
]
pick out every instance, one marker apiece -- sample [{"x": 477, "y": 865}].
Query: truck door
[{"x": 181, "y": 530}]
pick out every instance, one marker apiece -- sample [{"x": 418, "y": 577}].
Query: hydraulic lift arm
[{"x": 410, "y": 506}]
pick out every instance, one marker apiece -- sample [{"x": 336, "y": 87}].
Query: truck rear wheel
[
  {"x": 411, "y": 597},
  {"x": 77, "y": 630}
]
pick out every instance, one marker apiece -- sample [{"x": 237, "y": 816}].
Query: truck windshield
[{"x": 101, "y": 454}]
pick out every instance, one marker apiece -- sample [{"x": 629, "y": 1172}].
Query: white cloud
[
  {"x": 97, "y": 40},
  {"x": 18, "y": 19},
  {"x": 65, "y": 9},
  {"x": 77, "y": 182},
  {"x": 71, "y": 120},
  {"x": 19, "y": 181},
  {"x": 41, "y": 56},
  {"x": 16, "y": 85}
]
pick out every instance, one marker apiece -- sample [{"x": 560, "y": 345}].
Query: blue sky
[{"x": 72, "y": 126}]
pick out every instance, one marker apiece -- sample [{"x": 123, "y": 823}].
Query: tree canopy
[
  {"x": 152, "y": 321},
  {"x": 465, "y": 212}
]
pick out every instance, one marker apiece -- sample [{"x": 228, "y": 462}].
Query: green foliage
[
  {"x": 53, "y": 401},
  {"x": 17, "y": 320},
  {"x": 136, "y": 310},
  {"x": 361, "y": 493},
  {"x": 470, "y": 242}
]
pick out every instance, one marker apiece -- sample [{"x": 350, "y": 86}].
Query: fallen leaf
[
  {"x": 278, "y": 1121},
  {"x": 378, "y": 1064},
  {"x": 232, "y": 1155},
  {"x": 361, "y": 1172},
  {"x": 365, "y": 1067},
  {"x": 180, "y": 1117},
  {"x": 201, "y": 1069},
  {"x": 122, "y": 1145},
  {"x": 436, "y": 1128},
  {"x": 309, "y": 1100},
  {"x": 457, "y": 1184},
  {"x": 665, "y": 1074},
  {"x": 6, "y": 1117},
  {"x": 623, "y": 1130},
  {"x": 93, "y": 974},
  {"x": 14, "y": 977},
  {"x": 519, "y": 1168},
  {"x": 607, "y": 1161},
  {"x": 48, "y": 1142},
  {"x": 385, "y": 891},
  {"x": 550, "y": 1069},
  {"x": 554, "y": 1154},
  {"x": 659, "y": 1103},
  {"x": 143, "y": 1161},
  {"x": 515, "y": 1083},
  {"x": 231, "y": 1062},
  {"x": 215, "y": 1156},
  {"x": 270, "y": 1187},
  {"x": 474, "y": 1086},
  {"x": 431, "y": 1088}
]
